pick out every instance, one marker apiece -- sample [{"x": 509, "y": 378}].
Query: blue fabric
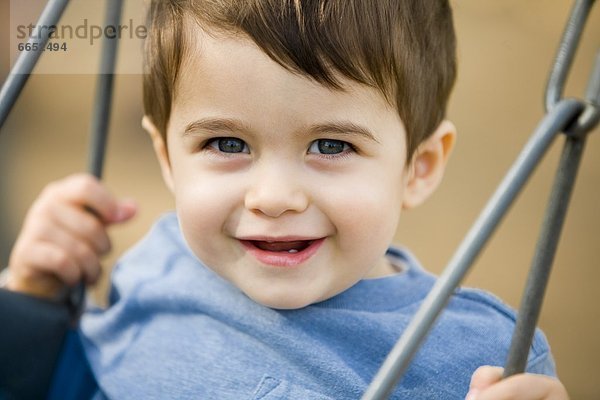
[
  {"x": 73, "y": 379},
  {"x": 177, "y": 330}
]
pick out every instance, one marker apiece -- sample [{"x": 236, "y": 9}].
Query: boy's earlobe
[
  {"x": 160, "y": 149},
  {"x": 429, "y": 164}
]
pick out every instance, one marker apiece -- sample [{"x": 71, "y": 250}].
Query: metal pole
[
  {"x": 100, "y": 123},
  {"x": 27, "y": 59},
  {"x": 566, "y": 52},
  {"x": 104, "y": 89},
  {"x": 539, "y": 274},
  {"x": 399, "y": 358}
]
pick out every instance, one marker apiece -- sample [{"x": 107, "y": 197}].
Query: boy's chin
[{"x": 289, "y": 301}]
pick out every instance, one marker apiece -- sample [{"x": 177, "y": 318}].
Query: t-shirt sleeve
[
  {"x": 543, "y": 365},
  {"x": 489, "y": 312},
  {"x": 540, "y": 357}
]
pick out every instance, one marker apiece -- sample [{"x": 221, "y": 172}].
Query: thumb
[
  {"x": 125, "y": 210},
  {"x": 482, "y": 378}
]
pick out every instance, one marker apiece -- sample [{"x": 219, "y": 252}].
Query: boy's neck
[{"x": 384, "y": 267}]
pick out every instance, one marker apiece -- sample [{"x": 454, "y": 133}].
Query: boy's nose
[{"x": 273, "y": 192}]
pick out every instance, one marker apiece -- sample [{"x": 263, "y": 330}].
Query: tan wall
[{"x": 505, "y": 49}]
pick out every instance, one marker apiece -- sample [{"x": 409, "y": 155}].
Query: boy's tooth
[{"x": 292, "y": 251}]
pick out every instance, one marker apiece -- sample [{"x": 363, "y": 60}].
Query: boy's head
[
  {"x": 292, "y": 132},
  {"x": 403, "y": 48}
]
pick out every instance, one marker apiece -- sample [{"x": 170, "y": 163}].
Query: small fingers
[
  {"x": 59, "y": 242},
  {"x": 64, "y": 235},
  {"x": 55, "y": 260},
  {"x": 83, "y": 225},
  {"x": 523, "y": 387},
  {"x": 81, "y": 254},
  {"x": 82, "y": 238},
  {"x": 86, "y": 191},
  {"x": 47, "y": 266},
  {"x": 485, "y": 376}
]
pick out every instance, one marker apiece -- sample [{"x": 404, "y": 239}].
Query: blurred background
[{"x": 505, "y": 50}]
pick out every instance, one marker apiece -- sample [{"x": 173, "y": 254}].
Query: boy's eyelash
[
  {"x": 336, "y": 156},
  {"x": 206, "y": 146}
]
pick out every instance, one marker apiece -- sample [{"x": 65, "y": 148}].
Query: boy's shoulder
[
  {"x": 485, "y": 320},
  {"x": 475, "y": 325}
]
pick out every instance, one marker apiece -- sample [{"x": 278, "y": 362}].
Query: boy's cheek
[
  {"x": 204, "y": 208},
  {"x": 366, "y": 205},
  {"x": 365, "y": 227},
  {"x": 194, "y": 189}
]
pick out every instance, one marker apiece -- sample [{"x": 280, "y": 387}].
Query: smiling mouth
[
  {"x": 295, "y": 246},
  {"x": 282, "y": 253}
]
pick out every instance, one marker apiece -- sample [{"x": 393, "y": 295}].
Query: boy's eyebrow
[
  {"x": 214, "y": 124},
  {"x": 343, "y": 127},
  {"x": 233, "y": 125}
]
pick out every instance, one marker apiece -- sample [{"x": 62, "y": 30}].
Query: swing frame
[
  {"x": 33, "y": 321},
  {"x": 573, "y": 117}
]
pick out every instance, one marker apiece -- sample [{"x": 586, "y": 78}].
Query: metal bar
[
  {"x": 399, "y": 358},
  {"x": 27, "y": 59},
  {"x": 104, "y": 89},
  {"x": 566, "y": 52},
  {"x": 539, "y": 274},
  {"x": 100, "y": 122},
  {"x": 591, "y": 115},
  {"x": 592, "y": 93},
  {"x": 541, "y": 267}
]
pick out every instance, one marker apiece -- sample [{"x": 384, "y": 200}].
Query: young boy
[{"x": 291, "y": 133}]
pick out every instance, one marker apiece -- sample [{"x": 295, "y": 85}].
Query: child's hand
[
  {"x": 487, "y": 384},
  {"x": 62, "y": 239}
]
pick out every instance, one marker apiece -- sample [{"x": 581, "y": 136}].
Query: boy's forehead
[
  {"x": 221, "y": 43},
  {"x": 230, "y": 71},
  {"x": 227, "y": 77}
]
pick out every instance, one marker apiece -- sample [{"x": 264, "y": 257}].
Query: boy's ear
[
  {"x": 428, "y": 164},
  {"x": 160, "y": 148}
]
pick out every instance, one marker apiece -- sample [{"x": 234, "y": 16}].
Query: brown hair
[{"x": 404, "y": 48}]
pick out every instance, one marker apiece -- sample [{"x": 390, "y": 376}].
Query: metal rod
[
  {"x": 539, "y": 274},
  {"x": 591, "y": 115},
  {"x": 566, "y": 52},
  {"x": 104, "y": 89},
  {"x": 27, "y": 60},
  {"x": 100, "y": 122},
  {"x": 399, "y": 358},
  {"x": 592, "y": 93},
  {"x": 541, "y": 267}
]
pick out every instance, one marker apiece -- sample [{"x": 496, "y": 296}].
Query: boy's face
[{"x": 288, "y": 189}]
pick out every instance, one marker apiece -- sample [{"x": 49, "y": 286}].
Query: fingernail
[
  {"x": 124, "y": 210},
  {"x": 472, "y": 395},
  {"x": 119, "y": 214}
]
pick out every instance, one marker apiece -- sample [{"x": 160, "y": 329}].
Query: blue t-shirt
[{"x": 175, "y": 329}]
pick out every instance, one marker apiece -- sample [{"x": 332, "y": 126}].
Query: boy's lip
[
  {"x": 289, "y": 238},
  {"x": 310, "y": 246}
]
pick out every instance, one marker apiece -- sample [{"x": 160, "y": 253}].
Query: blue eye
[
  {"x": 329, "y": 146},
  {"x": 229, "y": 145}
]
